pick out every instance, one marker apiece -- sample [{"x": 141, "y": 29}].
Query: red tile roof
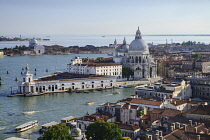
[
  {"x": 171, "y": 112},
  {"x": 146, "y": 102},
  {"x": 128, "y": 127}
]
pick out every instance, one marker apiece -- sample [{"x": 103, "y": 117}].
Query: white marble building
[
  {"x": 77, "y": 66},
  {"x": 137, "y": 57},
  {"x": 38, "y": 49},
  {"x": 62, "y": 82}
]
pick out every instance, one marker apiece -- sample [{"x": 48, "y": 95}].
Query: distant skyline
[{"x": 106, "y": 17}]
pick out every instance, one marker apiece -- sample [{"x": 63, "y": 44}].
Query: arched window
[{"x": 136, "y": 59}]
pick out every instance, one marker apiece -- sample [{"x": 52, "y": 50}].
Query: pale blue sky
[{"x": 104, "y": 16}]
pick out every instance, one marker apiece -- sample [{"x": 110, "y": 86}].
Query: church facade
[{"x": 136, "y": 56}]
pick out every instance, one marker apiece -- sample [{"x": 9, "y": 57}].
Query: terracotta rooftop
[
  {"x": 170, "y": 112},
  {"x": 201, "y": 109},
  {"x": 99, "y": 64},
  {"x": 146, "y": 102},
  {"x": 108, "y": 104},
  {"x": 177, "y": 102},
  {"x": 128, "y": 127},
  {"x": 94, "y": 117},
  {"x": 157, "y": 111},
  {"x": 145, "y": 117},
  {"x": 189, "y": 133}
]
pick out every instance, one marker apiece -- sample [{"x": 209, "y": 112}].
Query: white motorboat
[
  {"x": 26, "y": 126},
  {"x": 89, "y": 103},
  {"x": 28, "y": 112}
]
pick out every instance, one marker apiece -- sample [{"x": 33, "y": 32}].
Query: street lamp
[{"x": 11, "y": 90}]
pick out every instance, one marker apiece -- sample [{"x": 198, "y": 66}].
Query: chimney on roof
[
  {"x": 196, "y": 123},
  {"x": 172, "y": 128},
  {"x": 207, "y": 131},
  {"x": 174, "y": 125},
  {"x": 190, "y": 122},
  {"x": 149, "y": 137},
  {"x": 196, "y": 129},
  {"x": 198, "y": 137},
  {"x": 185, "y": 127},
  {"x": 161, "y": 138},
  {"x": 178, "y": 125}
]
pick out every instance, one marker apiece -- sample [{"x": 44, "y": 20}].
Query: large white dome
[{"x": 138, "y": 44}]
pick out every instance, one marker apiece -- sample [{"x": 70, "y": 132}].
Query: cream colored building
[{"x": 110, "y": 69}]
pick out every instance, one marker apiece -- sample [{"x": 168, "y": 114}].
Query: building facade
[
  {"x": 137, "y": 57},
  {"x": 77, "y": 66},
  {"x": 38, "y": 49},
  {"x": 61, "y": 82}
]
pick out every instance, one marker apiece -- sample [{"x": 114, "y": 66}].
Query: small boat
[
  {"x": 28, "y": 112},
  {"x": 120, "y": 87},
  {"x": 116, "y": 93},
  {"x": 26, "y": 126},
  {"x": 128, "y": 86},
  {"x": 99, "y": 89},
  {"x": 89, "y": 103}
]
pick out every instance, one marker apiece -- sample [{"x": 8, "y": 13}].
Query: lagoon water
[
  {"x": 53, "y": 107},
  {"x": 101, "y": 40},
  {"x": 49, "y": 107}
]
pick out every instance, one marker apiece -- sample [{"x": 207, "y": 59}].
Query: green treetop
[
  {"x": 101, "y": 130},
  {"x": 57, "y": 132}
]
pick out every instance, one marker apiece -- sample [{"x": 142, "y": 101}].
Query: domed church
[{"x": 136, "y": 56}]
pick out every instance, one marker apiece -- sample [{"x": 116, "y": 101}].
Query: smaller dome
[
  {"x": 124, "y": 47},
  {"x": 33, "y": 42}
]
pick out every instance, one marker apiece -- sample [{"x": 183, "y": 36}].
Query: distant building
[
  {"x": 39, "y": 49},
  {"x": 1, "y": 53},
  {"x": 77, "y": 66},
  {"x": 137, "y": 57}
]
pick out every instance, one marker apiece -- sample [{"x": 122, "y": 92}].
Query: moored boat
[
  {"x": 26, "y": 126},
  {"x": 116, "y": 93},
  {"x": 89, "y": 103}
]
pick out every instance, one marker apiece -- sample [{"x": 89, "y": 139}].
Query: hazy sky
[{"x": 104, "y": 16}]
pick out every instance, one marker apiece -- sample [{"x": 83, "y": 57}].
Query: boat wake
[{"x": 108, "y": 95}]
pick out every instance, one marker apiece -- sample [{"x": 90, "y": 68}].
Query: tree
[
  {"x": 196, "y": 56},
  {"x": 126, "y": 72},
  {"x": 57, "y": 132},
  {"x": 101, "y": 130},
  {"x": 100, "y": 59}
]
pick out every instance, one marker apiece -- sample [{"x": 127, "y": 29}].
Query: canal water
[{"x": 49, "y": 107}]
